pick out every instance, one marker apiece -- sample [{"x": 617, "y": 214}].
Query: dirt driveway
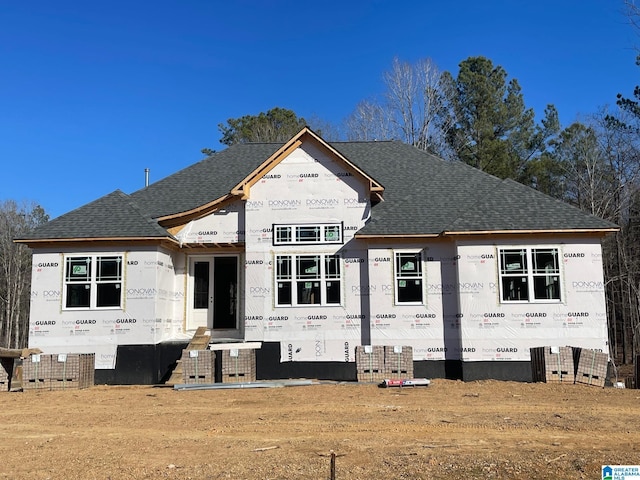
[{"x": 452, "y": 430}]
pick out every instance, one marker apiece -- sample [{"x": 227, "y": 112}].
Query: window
[
  {"x": 408, "y": 277},
  {"x": 283, "y": 235},
  {"x": 200, "y": 284},
  {"x": 529, "y": 275},
  {"x": 307, "y": 234},
  {"x": 308, "y": 280},
  {"x": 93, "y": 282}
]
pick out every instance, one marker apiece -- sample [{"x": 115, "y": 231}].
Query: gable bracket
[{"x": 244, "y": 187}]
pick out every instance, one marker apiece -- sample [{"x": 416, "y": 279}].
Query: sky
[{"x": 92, "y": 93}]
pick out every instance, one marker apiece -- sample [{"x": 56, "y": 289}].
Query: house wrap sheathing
[{"x": 311, "y": 249}]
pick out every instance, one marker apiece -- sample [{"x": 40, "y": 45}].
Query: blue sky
[{"x": 92, "y": 93}]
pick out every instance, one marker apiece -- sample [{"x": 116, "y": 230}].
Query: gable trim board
[
  {"x": 417, "y": 265},
  {"x": 285, "y": 151}
]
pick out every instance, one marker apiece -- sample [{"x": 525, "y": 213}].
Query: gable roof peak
[{"x": 305, "y": 134}]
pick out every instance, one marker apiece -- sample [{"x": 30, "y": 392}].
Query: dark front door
[{"x": 225, "y": 293}]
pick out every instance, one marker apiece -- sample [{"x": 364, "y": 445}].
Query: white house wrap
[{"x": 312, "y": 249}]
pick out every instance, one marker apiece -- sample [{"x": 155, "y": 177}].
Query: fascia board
[
  {"x": 595, "y": 231},
  {"x": 44, "y": 242},
  {"x": 242, "y": 188},
  {"x": 198, "y": 212}
]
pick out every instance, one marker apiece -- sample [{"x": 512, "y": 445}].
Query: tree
[
  {"x": 620, "y": 146},
  {"x": 369, "y": 121},
  {"x": 589, "y": 180},
  {"x": 418, "y": 102},
  {"x": 276, "y": 125},
  {"x": 494, "y": 131},
  {"x": 627, "y": 104},
  {"x": 599, "y": 163},
  {"x": 621, "y": 254},
  {"x": 15, "y": 271},
  {"x": 414, "y": 110}
]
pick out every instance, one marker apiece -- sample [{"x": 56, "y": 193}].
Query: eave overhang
[
  {"x": 44, "y": 242},
  {"x": 227, "y": 246},
  {"x": 182, "y": 218},
  {"x": 395, "y": 236},
  {"x": 581, "y": 231},
  {"x": 560, "y": 231}
]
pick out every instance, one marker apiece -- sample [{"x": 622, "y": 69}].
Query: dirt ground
[{"x": 450, "y": 429}]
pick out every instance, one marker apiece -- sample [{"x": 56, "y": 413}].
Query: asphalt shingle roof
[
  {"x": 204, "y": 181},
  {"x": 513, "y": 206},
  {"x": 423, "y": 195},
  {"x": 113, "y": 216}
]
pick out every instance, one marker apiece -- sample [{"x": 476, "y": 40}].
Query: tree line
[{"x": 15, "y": 271}]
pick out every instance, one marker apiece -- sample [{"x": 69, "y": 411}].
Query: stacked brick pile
[
  {"x": 376, "y": 362},
  {"x": 399, "y": 361},
  {"x": 370, "y": 363},
  {"x": 6, "y": 368},
  {"x": 592, "y": 367},
  {"x": 36, "y": 372},
  {"x": 73, "y": 370},
  {"x": 553, "y": 364},
  {"x": 198, "y": 366},
  {"x": 568, "y": 365},
  {"x": 58, "y": 371},
  {"x": 238, "y": 365}
]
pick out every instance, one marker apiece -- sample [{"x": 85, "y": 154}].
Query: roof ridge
[{"x": 147, "y": 218}]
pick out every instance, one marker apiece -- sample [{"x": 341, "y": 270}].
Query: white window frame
[
  {"x": 551, "y": 275},
  {"x": 92, "y": 280},
  {"x": 293, "y": 277},
  {"x": 400, "y": 276},
  {"x": 293, "y": 234}
]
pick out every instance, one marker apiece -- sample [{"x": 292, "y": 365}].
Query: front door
[{"x": 213, "y": 298}]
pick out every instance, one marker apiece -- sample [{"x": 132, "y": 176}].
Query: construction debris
[{"x": 405, "y": 382}]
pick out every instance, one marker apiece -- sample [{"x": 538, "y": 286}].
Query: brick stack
[
  {"x": 36, "y": 372},
  {"x": 569, "y": 365},
  {"x": 88, "y": 370},
  {"x": 398, "y": 361},
  {"x": 538, "y": 368},
  {"x": 592, "y": 367},
  {"x": 58, "y": 371},
  {"x": 376, "y": 362},
  {"x": 6, "y": 369},
  {"x": 552, "y": 364},
  {"x": 72, "y": 370},
  {"x": 198, "y": 366},
  {"x": 238, "y": 365},
  {"x": 370, "y": 363},
  {"x": 559, "y": 365}
]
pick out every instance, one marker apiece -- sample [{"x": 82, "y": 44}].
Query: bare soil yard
[{"x": 452, "y": 430}]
